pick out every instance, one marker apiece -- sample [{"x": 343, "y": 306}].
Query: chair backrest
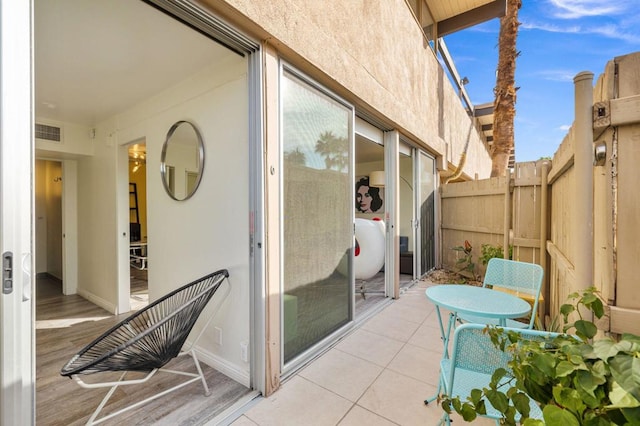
[
  {"x": 518, "y": 277},
  {"x": 152, "y": 336},
  {"x": 474, "y": 351}
]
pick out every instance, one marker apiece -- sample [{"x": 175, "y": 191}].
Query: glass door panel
[
  {"x": 426, "y": 213},
  {"x": 317, "y": 214},
  {"x": 406, "y": 222}
]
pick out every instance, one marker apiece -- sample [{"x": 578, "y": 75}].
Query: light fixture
[
  {"x": 377, "y": 179},
  {"x": 464, "y": 81},
  {"x": 136, "y": 166}
]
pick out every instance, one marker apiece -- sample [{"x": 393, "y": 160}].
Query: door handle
[
  {"x": 26, "y": 277},
  {"x": 7, "y": 272}
]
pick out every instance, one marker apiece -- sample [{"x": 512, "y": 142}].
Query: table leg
[{"x": 453, "y": 317}]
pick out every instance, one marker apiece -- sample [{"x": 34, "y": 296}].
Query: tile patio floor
[{"x": 378, "y": 375}]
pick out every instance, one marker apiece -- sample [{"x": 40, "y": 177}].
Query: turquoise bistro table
[{"x": 471, "y": 300}]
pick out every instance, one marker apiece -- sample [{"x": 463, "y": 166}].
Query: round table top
[{"x": 480, "y": 301}]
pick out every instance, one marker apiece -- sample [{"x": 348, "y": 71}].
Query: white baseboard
[
  {"x": 110, "y": 307},
  {"x": 223, "y": 366}
]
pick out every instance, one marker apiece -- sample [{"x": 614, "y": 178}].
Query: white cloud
[
  {"x": 551, "y": 28},
  {"x": 557, "y": 75},
  {"x": 565, "y": 127},
  {"x": 573, "y": 9},
  {"x": 609, "y": 30}
]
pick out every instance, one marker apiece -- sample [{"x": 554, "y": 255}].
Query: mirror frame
[{"x": 163, "y": 165}]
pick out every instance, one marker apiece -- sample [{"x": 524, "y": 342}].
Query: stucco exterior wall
[{"x": 373, "y": 53}]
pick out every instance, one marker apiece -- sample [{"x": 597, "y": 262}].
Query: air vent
[{"x": 49, "y": 133}]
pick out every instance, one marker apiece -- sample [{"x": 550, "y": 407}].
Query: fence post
[
  {"x": 583, "y": 166},
  {"x": 507, "y": 216},
  {"x": 544, "y": 211}
]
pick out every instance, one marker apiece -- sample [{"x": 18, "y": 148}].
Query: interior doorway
[
  {"x": 138, "y": 229},
  {"x": 48, "y": 228}
]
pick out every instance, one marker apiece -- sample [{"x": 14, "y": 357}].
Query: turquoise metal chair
[
  {"x": 474, "y": 359},
  {"x": 520, "y": 278}
]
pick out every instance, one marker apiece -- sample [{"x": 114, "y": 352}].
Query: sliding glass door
[
  {"x": 317, "y": 214},
  {"x": 426, "y": 212}
]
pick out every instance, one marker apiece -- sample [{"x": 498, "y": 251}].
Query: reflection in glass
[
  {"x": 318, "y": 210},
  {"x": 182, "y": 160}
]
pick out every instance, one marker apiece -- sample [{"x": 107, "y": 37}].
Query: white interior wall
[
  {"x": 191, "y": 238},
  {"x": 97, "y": 230}
]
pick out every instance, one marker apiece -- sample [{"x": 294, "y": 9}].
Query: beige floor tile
[
  {"x": 372, "y": 347},
  {"x": 300, "y": 402},
  {"x": 342, "y": 373},
  {"x": 428, "y": 337},
  {"x": 400, "y": 399},
  {"x": 406, "y": 312},
  {"x": 415, "y": 297},
  {"x": 417, "y": 363},
  {"x": 391, "y": 326},
  {"x": 358, "y": 416}
]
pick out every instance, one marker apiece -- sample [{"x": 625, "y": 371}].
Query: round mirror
[{"x": 182, "y": 160}]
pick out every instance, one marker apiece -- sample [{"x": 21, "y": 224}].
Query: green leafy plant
[
  {"x": 489, "y": 251},
  {"x": 576, "y": 379},
  {"x": 465, "y": 262}
]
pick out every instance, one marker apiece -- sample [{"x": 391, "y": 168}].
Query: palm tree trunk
[{"x": 505, "y": 102}]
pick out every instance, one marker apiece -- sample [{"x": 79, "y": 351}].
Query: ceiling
[
  {"x": 95, "y": 58},
  {"x": 452, "y": 16}
]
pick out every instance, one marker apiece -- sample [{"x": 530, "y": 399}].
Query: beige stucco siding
[{"x": 373, "y": 53}]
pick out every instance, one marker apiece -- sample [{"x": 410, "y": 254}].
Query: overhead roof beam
[{"x": 495, "y": 9}]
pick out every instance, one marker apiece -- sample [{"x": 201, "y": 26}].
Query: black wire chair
[{"x": 148, "y": 340}]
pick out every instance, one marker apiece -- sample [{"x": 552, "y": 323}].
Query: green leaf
[
  {"x": 476, "y": 396},
  {"x": 545, "y": 362},
  {"x": 497, "y": 376},
  {"x": 566, "y": 309},
  {"x": 498, "y": 399},
  {"x": 598, "y": 421},
  {"x": 620, "y": 398},
  {"x": 632, "y": 415},
  {"x": 568, "y": 398},
  {"x": 468, "y": 412},
  {"x": 605, "y": 348},
  {"x": 597, "y": 308},
  {"x": 564, "y": 368},
  {"x": 533, "y": 422},
  {"x": 556, "y": 416},
  {"x": 521, "y": 402},
  {"x": 625, "y": 370},
  {"x": 589, "y": 381},
  {"x": 481, "y": 407},
  {"x": 585, "y": 329},
  {"x": 631, "y": 338},
  {"x": 457, "y": 405}
]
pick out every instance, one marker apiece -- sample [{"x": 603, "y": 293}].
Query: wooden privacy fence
[
  {"x": 500, "y": 212},
  {"x": 578, "y": 215}
]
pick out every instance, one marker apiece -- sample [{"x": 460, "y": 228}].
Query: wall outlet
[
  {"x": 217, "y": 335},
  {"x": 244, "y": 351}
]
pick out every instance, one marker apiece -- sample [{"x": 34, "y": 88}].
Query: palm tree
[
  {"x": 504, "y": 110},
  {"x": 335, "y": 151},
  {"x": 295, "y": 157}
]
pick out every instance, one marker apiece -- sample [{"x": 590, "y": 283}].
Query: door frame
[{"x": 17, "y": 336}]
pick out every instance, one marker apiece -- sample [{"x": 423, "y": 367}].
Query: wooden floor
[{"x": 65, "y": 324}]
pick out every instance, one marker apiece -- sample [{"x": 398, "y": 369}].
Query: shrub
[{"x": 576, "y": 380}]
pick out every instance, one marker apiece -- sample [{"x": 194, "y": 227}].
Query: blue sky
[{"x": 557, "y": 40}]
